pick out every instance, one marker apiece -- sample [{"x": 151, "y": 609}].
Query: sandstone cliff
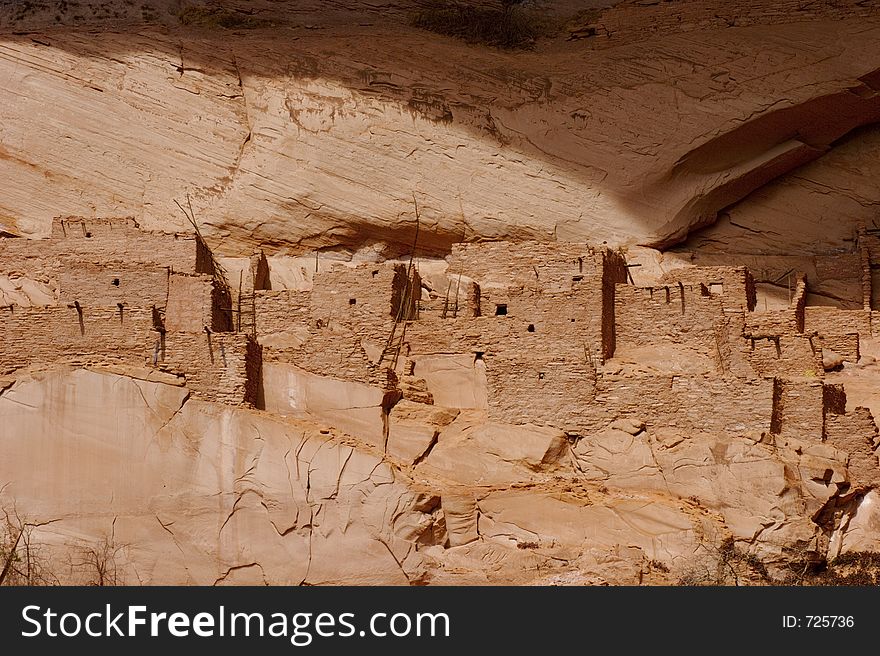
[
  {"x": 307, "y": 127},
  {"x": 136, "y": 425}
]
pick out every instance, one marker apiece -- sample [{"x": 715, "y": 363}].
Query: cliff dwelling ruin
[
  {"x": 544, "y": 334},
  {"x": 597, "y": 303}
]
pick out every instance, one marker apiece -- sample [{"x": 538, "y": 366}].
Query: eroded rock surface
[
  {"x": 312, "y": 127},
  {"x": 532, "y": 407}
]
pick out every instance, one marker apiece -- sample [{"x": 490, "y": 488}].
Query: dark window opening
[
  {"x": 540, "y": 375},
  {"x": 531, "y": 328},
  {"x": 478, "y": 355},
  {"x": 501, "y": 310},
  {"x": 572, "y": 320},
  {"x": 88, "y": 235},
  {"x": 352, "y": 301},
  {"x": 375, "y": 273},
  {"x": 116, "y": 282},
  {"x": 577, "y": 278}
]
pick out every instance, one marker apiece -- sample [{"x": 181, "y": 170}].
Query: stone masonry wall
[
  {"x": 724, "y": 405},
  {"x": 281, "y": 310},
  {"x": 838, "y": 330},
  {"x": 734, "y": 285},
  {"x": 779, "y": 322},
  {"x": 683, "y": 315},
  {"x": 94, "y": 284},
  {"x": 84, "y": 336},
  {"x": 551, "y": 267},
  {"x": 218, "y": 367},
  {"x": 785, "y": 356},
  {"x": 121, "y": 240}
]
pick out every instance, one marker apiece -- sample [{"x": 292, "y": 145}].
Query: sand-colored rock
[
  {"x": 474, "y": 452},
  {"x": 352, "y": 407},
  {"x": 660, "y": 531},
  {"x": 500, "y": 446},
  {"x": 197, "y": 493},
  {"x": 310, "y": 125},
  {"x": 455, "y": 381},
  {"x": 414, "y": 429},
  {"x": 200, "y": 493}
]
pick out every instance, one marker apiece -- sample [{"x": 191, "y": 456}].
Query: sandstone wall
[
  {"x": 838, "y": 330},
  {"x": 801, "y": 406},
  {"x": 84, "y": 336},
  {"x": 222, "y": 367},
  {"x": 121, "y": 240},
  {"x": 779, "y": 322},
  {"x": 785, "y": 356},
  {"x": 281, "y": 310},
  {"x": 689, "y": 404},
  {"x": 855, "y": 433},
  {"x": 103, "y": 284},
  {"x": 336, "y": 352},
  {"x": 197, "y": 302},
  {"x": 687, "y": 316},
  {"x": 734, "y": 285}
]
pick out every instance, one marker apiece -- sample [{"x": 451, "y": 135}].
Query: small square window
[
  {"x": 352, "y": 301},
  {"x": 501, "y": 310}
]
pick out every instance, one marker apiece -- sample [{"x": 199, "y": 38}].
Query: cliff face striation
[
  {"x": 300, "y": 127},
  {"x": 636, "y": 339}
]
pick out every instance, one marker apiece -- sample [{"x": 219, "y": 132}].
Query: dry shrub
[
  {"x": 220, "y": 17},
  {"x": 22, "y": 559},
  {"x": 509, "y": 27}
]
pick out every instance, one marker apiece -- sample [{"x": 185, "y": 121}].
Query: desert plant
[
  {"x": 722, "y": 563},
  {"x": 220, "y": 18},
  {"x": 98, "y": 563},
  {"x": 509, "y": 27},
  {"x": 22, "y": 558},
  {"x": 857, "y": 568}
]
